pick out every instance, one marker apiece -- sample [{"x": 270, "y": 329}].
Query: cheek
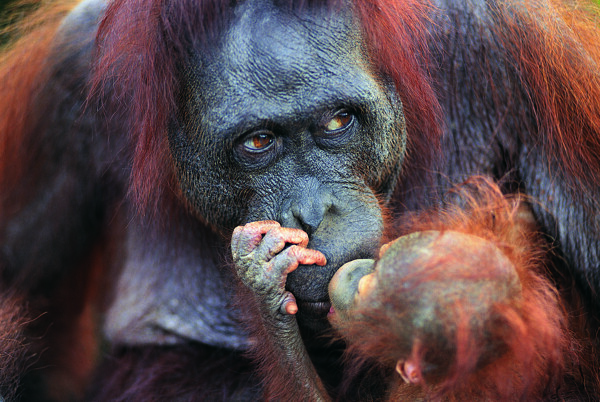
[
  {"x": 206, "y": 178},
  {"x": 264, "y": 205},
  {"x": 387, "y": 145}
]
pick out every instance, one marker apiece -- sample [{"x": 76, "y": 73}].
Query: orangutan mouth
[{"x": 314, "y": 309}]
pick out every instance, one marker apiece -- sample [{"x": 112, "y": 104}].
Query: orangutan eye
[
  {"x": 257, "y": 149},
  {"x": 341, "y": 121},
  {"x": 259, "y": 141}
]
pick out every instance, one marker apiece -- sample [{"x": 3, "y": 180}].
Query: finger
[
  {"x": 235, "y": 239},
  {"x": 307, "y": 256},
  {"x": 290, "y": 258},
  {"x": 246, "y": 238},
  {"x": 276, "y": 239},
  {"x": 409, "y": 371},
  {"x": 289, "y": 305}
]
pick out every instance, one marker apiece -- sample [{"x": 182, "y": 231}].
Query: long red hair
[
  {"x": 24, "y": 70},
  {"x": 556, "y": 48},
  {"x": 535, "y": 331},
  {"x": 140, "y": 42}
]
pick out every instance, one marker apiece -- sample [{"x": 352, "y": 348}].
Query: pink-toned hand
[{"x": 263, "y": 261}]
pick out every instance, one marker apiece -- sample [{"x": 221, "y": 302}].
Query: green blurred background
[{"x": 6, "y": 5}]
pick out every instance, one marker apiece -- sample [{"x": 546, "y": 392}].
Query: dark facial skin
[{"x": 292, "y": 126}]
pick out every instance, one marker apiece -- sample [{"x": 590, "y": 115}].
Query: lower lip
[{"x": 319, "y": 309}]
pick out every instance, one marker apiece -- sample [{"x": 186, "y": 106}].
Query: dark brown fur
[{"x": 557, "y": 64}]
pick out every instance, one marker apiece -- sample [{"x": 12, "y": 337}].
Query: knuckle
[{"x": 295, "y": 251}]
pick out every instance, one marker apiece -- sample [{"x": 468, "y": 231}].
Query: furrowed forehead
[
  {"x": 278, "y": 61},
  {"x": 201, "y": 21},
  {"x": 261, "y": 29}
]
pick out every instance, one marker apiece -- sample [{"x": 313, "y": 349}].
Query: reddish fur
[
  {"x": 262, "y": 354},
  {"x": 564, "y": 89},
  {"x": 158, "y": 33},
  {"x": 129, "y": 33},
  {"x": 22, "y": 73},
  {"x": 398, "y": 37},
  {"x": 72, "y": 327},
  {"x": 13, "y": 344},
  {"x": 559, "y": 63},
  {"x": 541, "y": 351}
]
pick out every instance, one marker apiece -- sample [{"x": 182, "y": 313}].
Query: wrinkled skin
[
  {"x": 281, "y": 116},
  {"x": 298, "y": 159},
  {"x": 264, "y": 254},
  {"x": 293, "y": 125},
  {"x": 427, "y": 282},
  {"x": 263, "y": 265}
]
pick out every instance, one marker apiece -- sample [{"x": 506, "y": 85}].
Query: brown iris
[
  {"x": 339, "y": 122},
  {"x": 259, "y": 141}
]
